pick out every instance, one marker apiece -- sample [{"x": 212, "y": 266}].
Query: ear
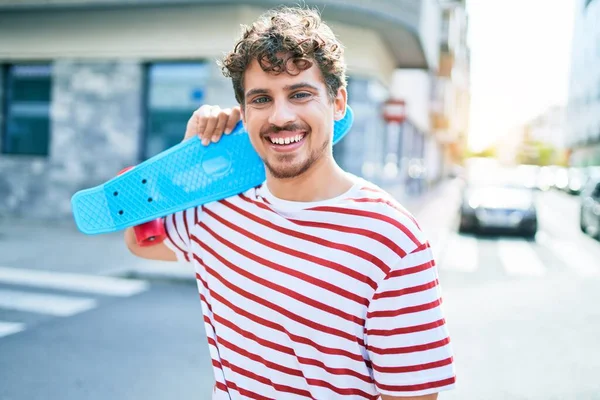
[{"x": 339, "y": 103}]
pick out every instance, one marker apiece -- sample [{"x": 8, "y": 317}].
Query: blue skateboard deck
[{"x": 186, "y": 175}]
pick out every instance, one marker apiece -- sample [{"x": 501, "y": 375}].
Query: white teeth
[{"x": 287, "y": 140}]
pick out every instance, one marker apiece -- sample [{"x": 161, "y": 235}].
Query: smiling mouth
[{"x": 285, "y": 140}]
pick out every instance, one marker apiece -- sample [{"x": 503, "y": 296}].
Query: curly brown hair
[{"x": 284, "y": 35}]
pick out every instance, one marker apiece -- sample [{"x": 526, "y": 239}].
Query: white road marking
[
  {"x": 460, "y": 253},
  {"x": 102, "y": 285},
  {"x": 61, "y": 306},
  {"x": 519, "y": 258},
  {"x": 575, "y": 257},
  {"x": 8, "y": 328}
]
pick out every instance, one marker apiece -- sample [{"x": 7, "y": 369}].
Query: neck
[{"x": 322, "y": 181}]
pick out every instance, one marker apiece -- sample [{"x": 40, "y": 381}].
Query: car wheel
[
  {"x": 597, "y": 233},
  {"x": 582, "y": 225}
]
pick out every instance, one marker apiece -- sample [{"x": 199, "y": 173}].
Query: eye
[
  {"x": 301, "y": 95},
  {"x": 260, "y": 100}
]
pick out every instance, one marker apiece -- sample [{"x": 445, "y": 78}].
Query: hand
[{"x": 210, "y": 122}]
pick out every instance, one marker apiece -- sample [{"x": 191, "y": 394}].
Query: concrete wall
[
  {"x": 366, "y": 53},
  {"x": 583, "y": 113},
  {"x": 95, "y": 126},
  {"x": 429, "y": 31},
  {"x": 361, "y": 152},
  {"x": 414, "y": 86},
  {"x": 96, "y": 130},
  {"x": 183, "y": 32}
]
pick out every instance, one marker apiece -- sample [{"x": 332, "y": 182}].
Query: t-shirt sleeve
[
  {"x": 407, "y": 338},
  {"x": 178, "y": 227}
]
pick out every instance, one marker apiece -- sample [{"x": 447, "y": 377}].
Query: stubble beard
[{"x": 295, "y": 170}]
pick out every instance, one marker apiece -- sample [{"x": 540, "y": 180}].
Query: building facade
[
  {"x": 89, "y": 87},
  {"x": 583, "y": 108},
  {"x": 437, "y": 102},
  {"x": 451, "y": 86},
  {"x": 549, "y": 127}
]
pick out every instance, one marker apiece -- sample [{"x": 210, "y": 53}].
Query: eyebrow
[
  {"x": 295, "y": 86},
  {"x": 301, "y": 85},
  {"x": 252, "y": 92}
]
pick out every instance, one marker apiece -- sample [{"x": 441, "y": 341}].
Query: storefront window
[
  {"x": 174, "y": 92},
  {"x": 28, "y": 89}
]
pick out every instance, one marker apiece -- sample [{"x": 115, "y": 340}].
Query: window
[
  {"x": 174, "y": 92},
  {"x": 27, "y": 91}
]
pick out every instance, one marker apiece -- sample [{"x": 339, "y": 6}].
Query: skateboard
[{"x": 186, "y": 175}]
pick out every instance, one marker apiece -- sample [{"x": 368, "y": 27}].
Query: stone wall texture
[{"x": 96, "y": 117}]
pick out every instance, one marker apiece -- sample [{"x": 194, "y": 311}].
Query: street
[
  {"x": 147, "y": 346},
  {"x": 522, "y": 314}
]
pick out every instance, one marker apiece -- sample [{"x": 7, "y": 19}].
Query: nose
[{"x": 281, "y": 114}]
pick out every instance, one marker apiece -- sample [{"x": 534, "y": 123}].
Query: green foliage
[
  {"x": 490, "y": 152},
  {"x": 539, "y": 153}
]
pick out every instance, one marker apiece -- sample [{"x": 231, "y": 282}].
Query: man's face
[{"x": 290, "y": 118}]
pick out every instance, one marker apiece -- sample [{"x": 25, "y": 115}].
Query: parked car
[
  {"x": 546, "y": 178},
  {"x": 498, "y": 200},
  {"x": 589, "y": 219},
  {"x": 576, "y": 180},
  {"x": 561, "y": 178}
]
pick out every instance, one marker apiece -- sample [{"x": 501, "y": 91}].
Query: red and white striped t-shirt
[{"x": 322, "y": 300}]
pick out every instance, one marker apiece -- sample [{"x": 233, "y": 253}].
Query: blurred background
[{"x": 481, "y": 117}]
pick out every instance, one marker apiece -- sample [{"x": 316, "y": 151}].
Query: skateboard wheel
[
  {"x": 125, "y": 170},
  {"x": 150, "y": 233}
]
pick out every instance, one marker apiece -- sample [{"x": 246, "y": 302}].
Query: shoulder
[
  {"x": 371, "y": 198},
  {"x": 248, "y": 199}
]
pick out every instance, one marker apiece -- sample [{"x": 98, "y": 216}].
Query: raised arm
[{"x": 208, "y": 122}]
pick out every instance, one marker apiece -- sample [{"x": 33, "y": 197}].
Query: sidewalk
[{"x": 58, "y": 245}]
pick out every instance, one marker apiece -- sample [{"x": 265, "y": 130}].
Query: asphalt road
[
  {"x": 523, "y": 316},
  {"x": 147, "y": 346}
]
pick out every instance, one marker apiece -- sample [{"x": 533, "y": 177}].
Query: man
[{"x": 316, "y": 284}]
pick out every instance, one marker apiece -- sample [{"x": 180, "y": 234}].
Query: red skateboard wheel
[
  {"x": 150, "y": 233},
  {"x": 125, "y": 170}
]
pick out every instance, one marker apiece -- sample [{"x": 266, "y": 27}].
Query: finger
[
  {"x": 196, "y": 123},
  {"x": 191, "y": 128},
  {"x": 234, "y": 118},
  {"x": 220, "y": 126},
  {"x": 211, "y": 122}
]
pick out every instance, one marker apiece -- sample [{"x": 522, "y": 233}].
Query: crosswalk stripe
[
  {"x": 56, "y": 305},
  {"x": 460, "y": 253},
  {"x": 572, "y": 255},
  {"x": 8, "y": 328},
  {"x": 519, "y": 258},
  {"x": 67, "y": 281}
]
